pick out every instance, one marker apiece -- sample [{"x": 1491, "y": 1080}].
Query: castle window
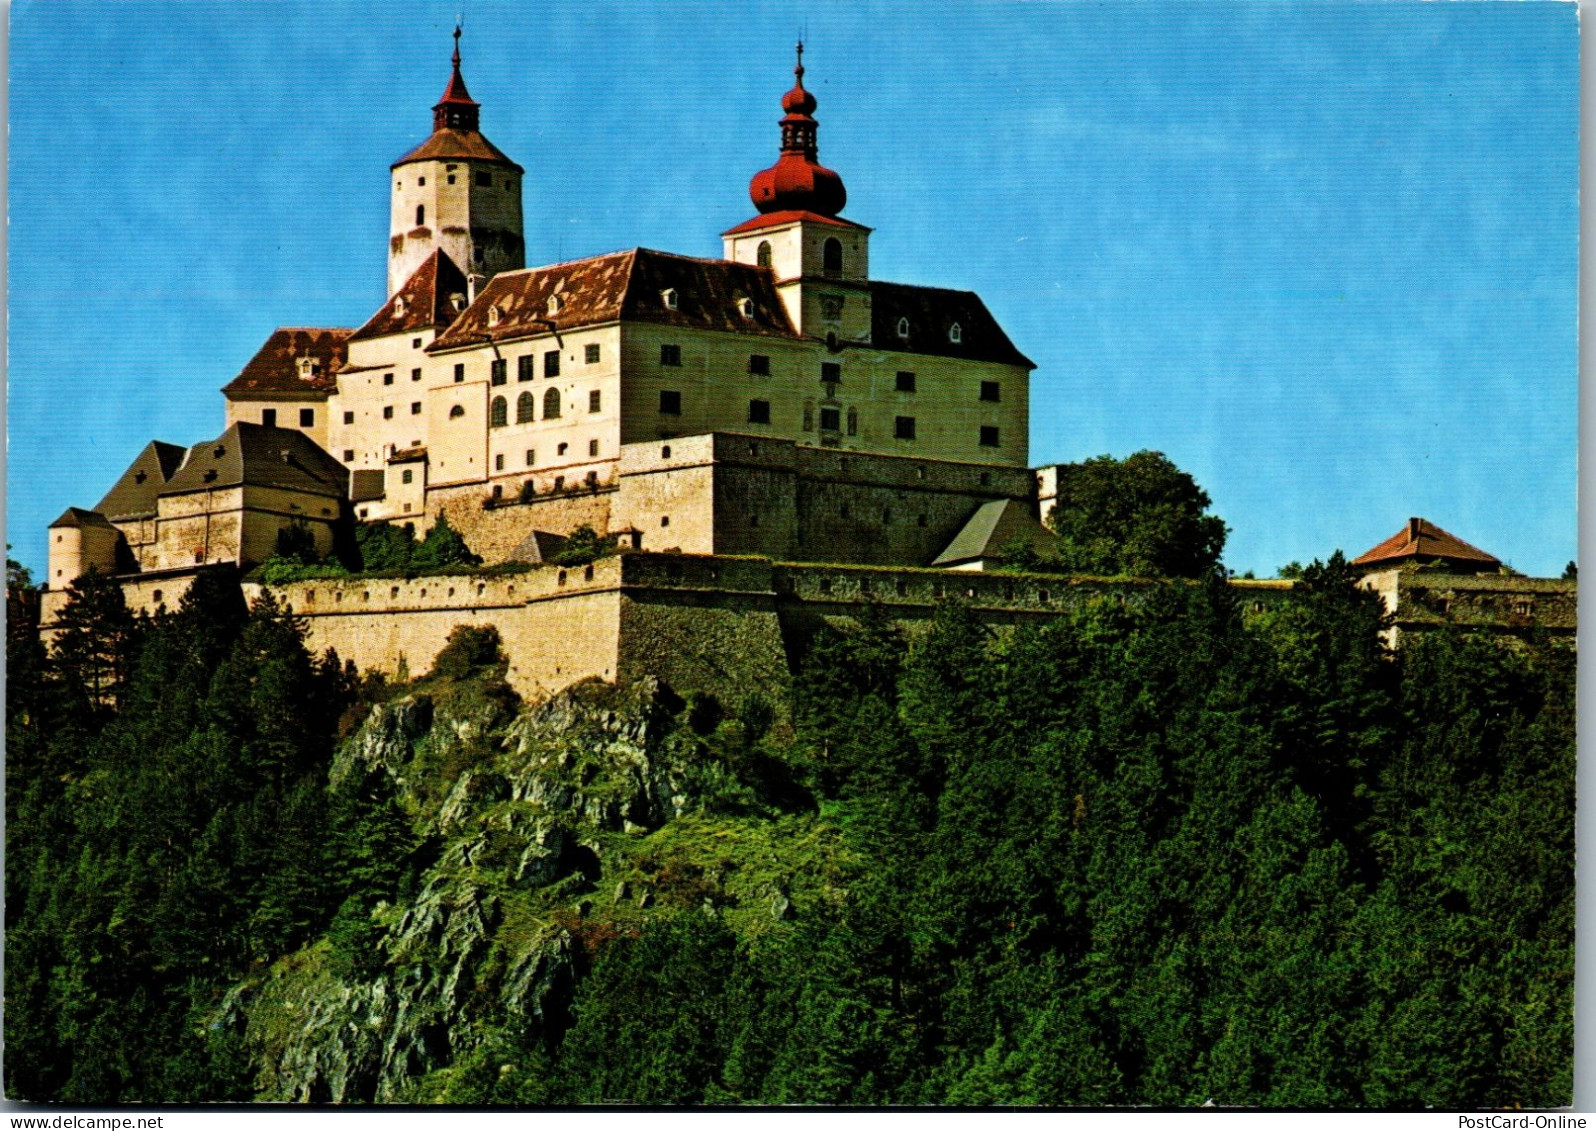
[
  {"x": 387, "y": 412},
  {"x": 753, "y": 520},
  {"x": 665, "y": 452},
  {"x": 498, "y": 463},
  {"x": 886, "y": 518},
  {"x": 552, "y": 307},
  {"x": 524, "y": 407},
  {"x": 498, "y": 371},
  {"x": 762, "y": 253},
  {"x": 531, "y": 456},
  {"x": 421, "y": 182},
  {"x": 591, "y": 353},
  {"x": 485, "y": 179},
  {"x": 307, "y": 418},
  {"x": 903, "y": 328},
  {"x": 498, "y": 412},
  {"x": 459, "y": 372},
  {"x": 498, "y": 493},
  {"x": 830, "y": 419},
  {"x": 415, "y": 343},
  {"x": 595, "y": 400},
  {"x": 853, "y": 422},
  {"x": 493, "y": 315},
  {"x": 905, "y": 382},
  {"x": 670, "y": 355},
  {"x": 592, "y": 450},
  {"x": 831, "y": 372},
  {"x": 831, "y": 256},
  {"x": 669, "y": 297},
  {"x": 903, "y": 427},
  {"x": 415, "y": 374},
  {"x": 387, "y": 378},
  {"x": 664, "y": 520},
  {"x": 421, "y": 214},
  {"x": 450, "y": 178},
  {"x": 523, "y": 367},
  {"x": 955, "y": 334},
  {"x": 759, "y": 412},
  {"x": 986, "y": 479},
  {"x": 268, "y": 417},
  {"x": 745, "y": 307},
  {"x": 670, "y": 402},
  {"x": 809, "y": 418},
  {"x": 920, "y": 520},
  {"x": 456, "y": 412},
  {"x": 989, "y": 436},
  {"x": 991, "y": 391},
  {"x": 831, "y": 308},
  {"x": 349, "y": 455},
  {"x": 399, "y": 306},
  {"x": 415, "y": 408},
  {"x": 759, "y": 364},
  {"x": 406, "y": 475},
  {"x": 551, "y": 404},
  {"x": 551, "y": 363}
]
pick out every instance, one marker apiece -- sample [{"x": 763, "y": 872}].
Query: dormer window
[
  {"x": 955, "y": 333},
  {"x": 554, "y": 304},
  {"x": 745, "y": 307},
  {"x": 399, "y": 307},
  {"x": 669, "y": 298},
  {"x": 457, "y": 302},
  {"x": 308, "y": 368},
  {"x": 903, "y": 328},
  {"x": 493, "y": 316}
]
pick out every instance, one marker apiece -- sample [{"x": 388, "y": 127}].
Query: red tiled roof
[
  {"x": 623, "y": 284},
  {"x": 426, "y": 296},
  {"x": 275, "y": 367},
  {"x": 776, "y": 219},
  {"x": 1422, "y": 540},
  {"x": 449, "y": 145}
]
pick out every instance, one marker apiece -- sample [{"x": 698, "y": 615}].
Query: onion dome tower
[
  {"x": 455, "y": 192},
  {"x": 821, "y": 260}
]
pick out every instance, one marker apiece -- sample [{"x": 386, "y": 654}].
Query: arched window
[
  {"x": 551, "y": 404},
  {"x": 456, "y": 412},
  {"x": 831, "y": 256},
  {"x": 955, "y": 333},
  {"x": 497, "y": 411},
  {"x": 523, "y": 408},
  {"x": 421, "y": 214},
  {"x": 762, "y": 256},
  {"x": 903, "y": 328}
]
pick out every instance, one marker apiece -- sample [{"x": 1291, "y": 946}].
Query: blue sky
[{"x": 1323, "y": 255}]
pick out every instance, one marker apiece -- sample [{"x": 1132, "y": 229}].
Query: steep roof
[
  {"x": 275, "y": 366},
  {"x": 931, "y": 313},
  {"x": 623, "y": 285},
  {"x": 257, "y": 455},
  {"x": 78, "y": 517},
  {"x": 1422, "y": 540},
  {"x": 993, "y": 526},
  {"x": 134, "y": 493},
  {"x": 423, "y": 303}
]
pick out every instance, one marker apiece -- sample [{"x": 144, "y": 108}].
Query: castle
[{"x": 776, "y": 405}]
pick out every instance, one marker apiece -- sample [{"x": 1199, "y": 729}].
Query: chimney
[{"x": 1413, "y": 528}]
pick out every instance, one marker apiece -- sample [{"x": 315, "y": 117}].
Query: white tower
[{"x": 457, "y": 193}]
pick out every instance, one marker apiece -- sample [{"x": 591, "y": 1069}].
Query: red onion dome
[{"x": 798, "y": 181}]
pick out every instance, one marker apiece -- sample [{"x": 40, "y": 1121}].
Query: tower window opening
[
  {"x": 387, "y": 412},
  {"x": 903, "y": 427},
  {"x": 759, "y": 364},
  {"x": 670, "y": 355},
  {"x": 456, "y": 412},
  {"x": 560, "y": 451},
  {"x": 450, "y": 178},
  {"x": 830, "y": 419},
  {"x": 268, "y": 417},
  {"x": 989, "y": 436},
  {"x": 421, "y": 182},
  {"x": 905, "y": 382},
  {"x": 387, "y": 378},
  {"x": 759, "y": 412},
  {"x": 459, "y": 372},
  {"x": 415, "y": 408},
  {"x": 523, "y": 408},
  {"x": 830, "y": 372},
  {"x": 991, "y": 391},
  {"x": 551, "y": 404},
  {"x": 831, "y": 256},
  {"x": 485, "y": 180},
  {"x": 415, "y": 374},
  {"x": 421, "y": 214},
  {"x": 762, "y": 255},
  {"x": 670, "y": 402}
]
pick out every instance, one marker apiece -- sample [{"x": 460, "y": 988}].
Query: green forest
[{"x": 1159, "y": 854}]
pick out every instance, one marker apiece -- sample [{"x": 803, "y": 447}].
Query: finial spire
[
  {"x": 799, "y": 69},
  {"x": 455, "y": 110},
  {"x": 798, "y": 181}
]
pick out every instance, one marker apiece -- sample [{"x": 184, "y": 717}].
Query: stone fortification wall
[
  {"x": 1422, "y": 602},
  {"x": 494, "y": 532},
  {"x": 558, "y": 625}
]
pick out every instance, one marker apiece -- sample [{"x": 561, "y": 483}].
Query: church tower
[
  {"x": 456, "y": 193},
  {"x": 821, "y": 260}
]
